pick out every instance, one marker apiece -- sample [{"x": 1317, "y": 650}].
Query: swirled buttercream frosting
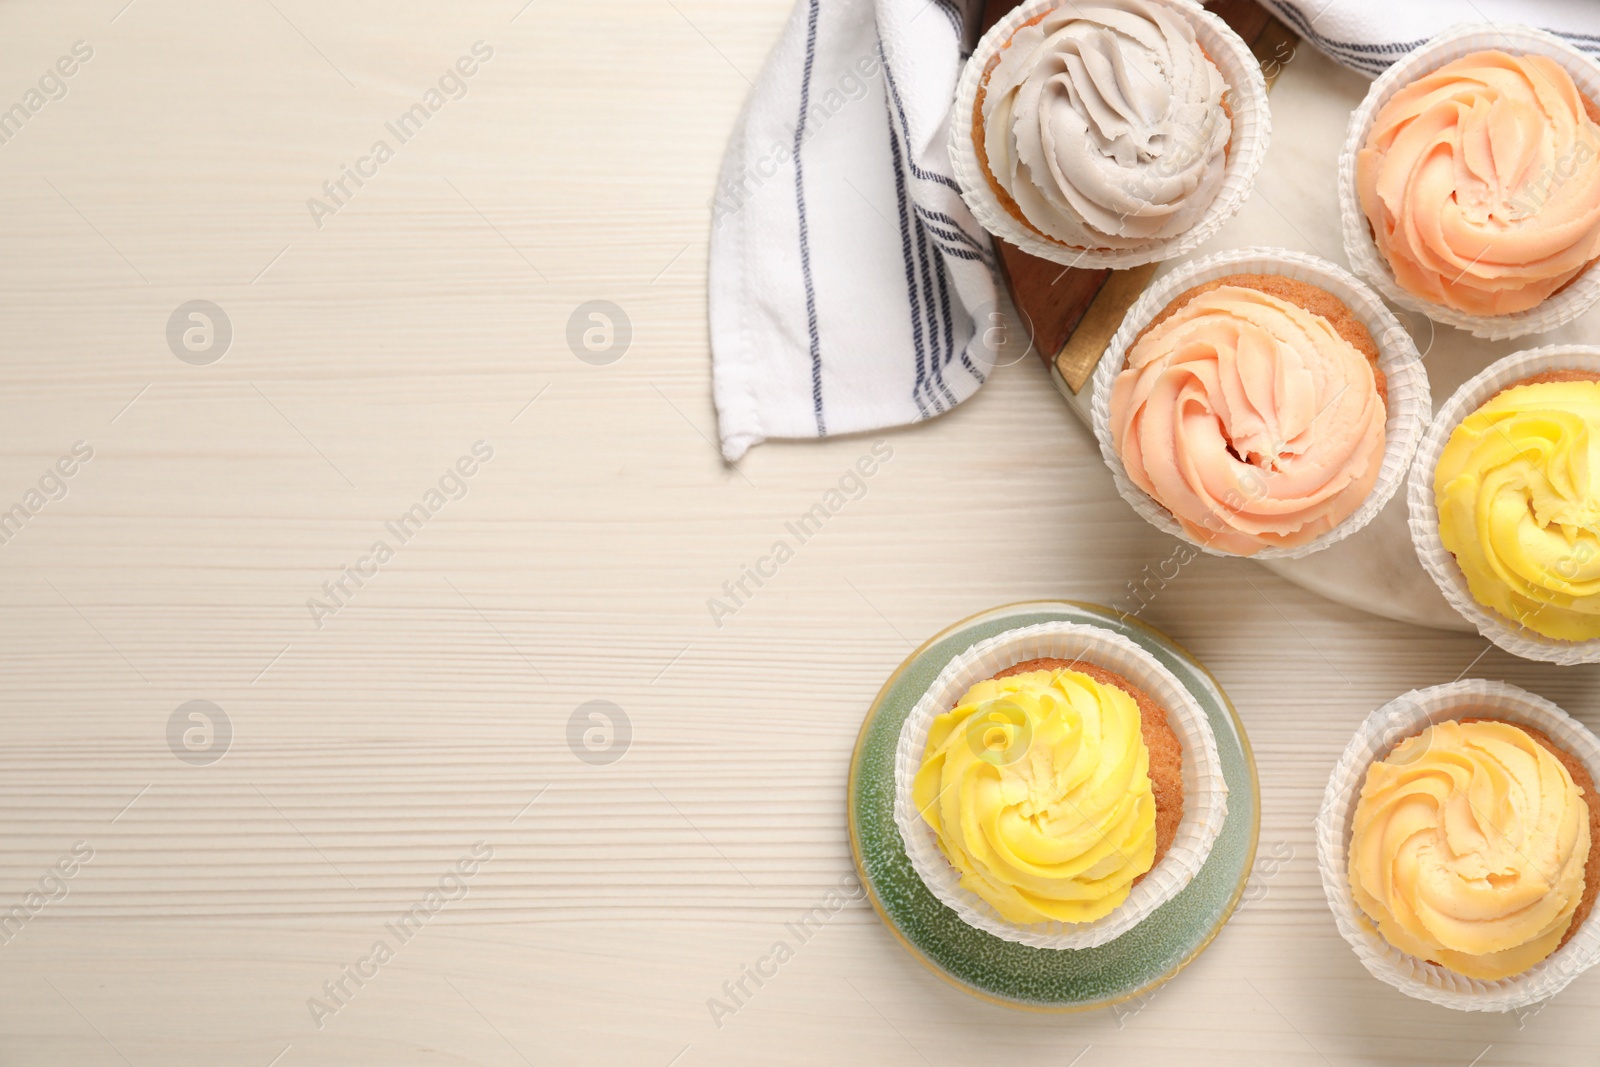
[
  {"x": 1468, "y": 848},
  {"x": 1518, "y": 492},
  {"x": 1250, "y": 418},
  {"x": 1103, "y": 125},
  {"x": 1481, "y": 182},
  {"x": 1038, "y": 789}
]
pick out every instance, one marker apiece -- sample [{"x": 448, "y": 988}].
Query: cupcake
[
  {"x": 1102, "y": 125},
  {"x": 1481, "y": 183},
  {"x": 1053, "y": 788},
  {"x": 1252, "y": 408},
  {"x": 1504, "y": 501},
  {"x": 1056, "y": 785},
  {"x": 1457, "y": 846},
  {"x": 1105, "y": 133},
  {"x": 1469, "y": 181},
  {"x": 1517, "y": 489},
  {"x": 1471, "y": 849}
]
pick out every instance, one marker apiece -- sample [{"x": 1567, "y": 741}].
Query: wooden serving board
[{"x": 1072, "y": 312}]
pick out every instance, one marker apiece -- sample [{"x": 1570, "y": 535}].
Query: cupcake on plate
[
  {"x": 1056, "y": 785},
  {"x": 1108, "y": 132},
  {"x": 1471, "y": 847},
  {"x": 1053, "y": 788},
  {"x": 1481, "y": 182},
  {"x": 1457, "y": 846},
  {"x": 1517, "y": 488},
  {"x": 1253, "y": 409}
]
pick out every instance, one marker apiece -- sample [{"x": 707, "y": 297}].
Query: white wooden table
[{"x": 228, "y": 899}]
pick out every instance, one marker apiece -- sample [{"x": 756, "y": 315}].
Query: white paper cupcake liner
[
  {"x": 1408, "y": 401},
  {"x": 1205, "y": 791},
  {"x": 1404, "y": 717},
  {"x": 1578, "y": 296},
  {"x": 1436, "y": 559},
  {"x": 1252, "y": 126}
]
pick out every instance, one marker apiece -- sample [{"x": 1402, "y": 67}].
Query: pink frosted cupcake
[
  {"x": 1469, "y": 181},
  {"x": 1252, "y": 409},
  {"x": 1481, "y": 182}
]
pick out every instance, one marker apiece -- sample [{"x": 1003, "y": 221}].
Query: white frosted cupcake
[{"x": 1108, "y": 132}]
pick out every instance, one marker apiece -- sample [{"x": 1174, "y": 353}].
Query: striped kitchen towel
[
  {"x": 845, "y": 269},
  {"x": 1368, "y": 35},
  {"x": 846, "y": 274}
]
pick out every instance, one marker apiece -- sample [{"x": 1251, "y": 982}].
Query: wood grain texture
[{"x": 370, "y": 754}]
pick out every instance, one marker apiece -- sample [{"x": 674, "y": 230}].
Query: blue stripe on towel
[
  {"x": 805, "y": 234},
  {"x": 899, "y": 109},
  {"x": 935, "y": 361},
  {"x": 951, "y": 235},
  {"x": 911, "y": 273}
]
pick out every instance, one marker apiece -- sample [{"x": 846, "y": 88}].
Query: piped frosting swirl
[
  {"x": 1038, "y": 788},
  {"x": 1104, "y": 124},
  {"x": 1468, "y": 848},
  {"x": 1518, "y": 492},
  {"x": 1481, "y": 182},
  {"x": 1250, "y": 419}
]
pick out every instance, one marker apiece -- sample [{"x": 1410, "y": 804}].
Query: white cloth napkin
[
  {"x": 844, "y": 266},
  {"x": 846, "y": 274}
]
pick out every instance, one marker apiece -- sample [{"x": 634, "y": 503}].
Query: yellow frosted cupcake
[
  {"x": 1052, "y": 788},
  {"x": 1517, "y": 487},
  {"x": 1471, "y": 847}
]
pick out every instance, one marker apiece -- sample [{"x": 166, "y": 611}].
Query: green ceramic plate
[{"x": 1013, "y": 974}]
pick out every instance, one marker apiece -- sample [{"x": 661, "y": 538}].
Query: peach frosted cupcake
[
  {"x": 1481, "y": 182},
  {"x": 1259, "y": 402},
  {"x": 1470, "y": 181},
  {"x": 1252, "y": 409}
]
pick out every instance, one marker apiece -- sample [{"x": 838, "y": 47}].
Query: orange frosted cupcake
[{"x": 1471, "y": 847}]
